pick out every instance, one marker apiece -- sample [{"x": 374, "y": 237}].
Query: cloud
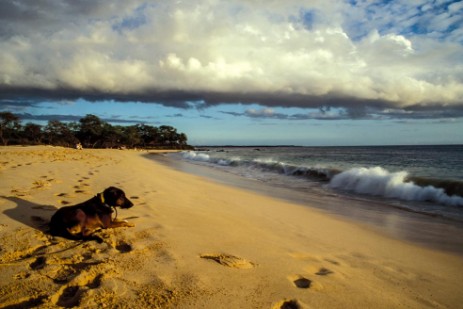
[
  {"x": 177, "y": 115},
  {"x": 360, "y": 113},
  {"x": 268, "y": 113},
  {"x": 438, "y": 19},
  {"x": 355, "y": 55},
  {"x": 66, "y": 118},
  {"x": 71, "y": 118},
  {"x": 15, "y": 105}
]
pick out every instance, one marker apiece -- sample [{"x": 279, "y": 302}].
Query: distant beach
[{"x": 205, "y": 242}]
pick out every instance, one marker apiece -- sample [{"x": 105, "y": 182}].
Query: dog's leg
[{"x": 77, "y": 229}]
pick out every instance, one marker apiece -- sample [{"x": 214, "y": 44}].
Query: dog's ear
[
  {"x": 116, "y": 197},
  {"x": 111, "y": 195}
]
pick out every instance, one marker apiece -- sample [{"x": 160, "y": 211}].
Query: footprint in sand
[
  {"x": 323, "y": 272},
  {"x": 31, "y": 302},
  {"x": 95, "y": 282},
  {"x": 302, "y": 282},
  {"x": 20, "y": 192},
  {"x": 39, "y": 263},
  {"x": 68, "y": 272},
  {"x": 138, "y": 200},
  {"x": 332, "y": 261},
  {"x": 288, "y": 304},
  {"x": 229, "y": 260},
  {"x": 42, "y": 184},
  {"x": 64, "y": 275},
  {"x": 69, "y": 297},
  {"x": 123, "y": 247},
  {"x": 80, "y": 189},
  {"x": 22, "y": 275}
]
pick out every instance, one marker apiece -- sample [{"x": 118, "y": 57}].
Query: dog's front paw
[{"x": 126, "y": 223}]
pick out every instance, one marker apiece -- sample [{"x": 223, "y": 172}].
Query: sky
[{"x": 241, "y": 72}]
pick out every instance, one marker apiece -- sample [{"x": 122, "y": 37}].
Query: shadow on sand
[{"x": 31, "y": 214}]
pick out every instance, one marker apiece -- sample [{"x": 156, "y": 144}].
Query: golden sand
[{"x": 196, "y": 244}]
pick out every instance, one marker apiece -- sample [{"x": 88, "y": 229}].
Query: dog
[{"x": 78, "y": 222}]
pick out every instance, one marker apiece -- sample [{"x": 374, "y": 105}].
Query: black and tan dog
[{"x": 81, "y": 220}]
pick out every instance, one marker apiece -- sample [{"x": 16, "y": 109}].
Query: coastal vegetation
[{"x": 90, "y": 132}]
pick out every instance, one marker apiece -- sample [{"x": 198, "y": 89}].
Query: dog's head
[{"x": 116, "y": 197}]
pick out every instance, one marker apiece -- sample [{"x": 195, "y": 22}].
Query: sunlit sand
[{"x": 196, "y": 244}]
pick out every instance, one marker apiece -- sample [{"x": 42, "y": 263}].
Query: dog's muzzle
[{"x": 127, "y": 204}]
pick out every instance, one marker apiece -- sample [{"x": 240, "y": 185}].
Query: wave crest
[
  {"x": 380, "y": 182},
  {"x": 192, "y": 155}
]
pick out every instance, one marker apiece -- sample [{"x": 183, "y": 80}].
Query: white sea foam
[
  {"x": 223, "y": 162},
  {"x": 380, "y": 182},
  {"x": 266, "y": 161},
  {"x": 375, "y": 181},
  {"x": 193, "y": 155}
]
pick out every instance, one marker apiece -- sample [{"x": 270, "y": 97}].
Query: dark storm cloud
[
  {"x": 184, "y": 99},
  {"x": 354, "y": 108}
]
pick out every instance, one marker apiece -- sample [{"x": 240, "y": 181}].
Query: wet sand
[
  {"x": 372, "y": 213},
  {"x": 197, "y": 243}
]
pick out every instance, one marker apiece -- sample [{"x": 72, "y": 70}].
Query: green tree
[
  {"x": 91, "y": 131},
  {"x": 149, "y": 135},
  {"x": 182, "y": 139},
  {"x": 112, "y": 136},
  {"x": 32, "y": 133},
  {"x": 167, "y": 135},
  {"x": 171, "y": 138},
  {"x": 131, "y": 136},
  {"x": 60, "y": 134},
  {"x": 9, "y": 127}
]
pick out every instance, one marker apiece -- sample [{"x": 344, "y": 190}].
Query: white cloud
[{"x": 243, "y": 47}]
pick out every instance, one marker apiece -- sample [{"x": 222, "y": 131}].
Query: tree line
[{"x": 90, "y": 132}]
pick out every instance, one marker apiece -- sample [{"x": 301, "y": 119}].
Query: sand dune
[{"x": 196, "y": 244}]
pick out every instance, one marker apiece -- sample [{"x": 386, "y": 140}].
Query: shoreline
[
  {"x": 390, "y": 220},
  {"x": 197, "y": 244}
]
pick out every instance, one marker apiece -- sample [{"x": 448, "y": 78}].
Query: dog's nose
[{"x": 128, "y": 204}]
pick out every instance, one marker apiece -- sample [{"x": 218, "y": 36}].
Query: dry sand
[{"x": 196, "y": 244}]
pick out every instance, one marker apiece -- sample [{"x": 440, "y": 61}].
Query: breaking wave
[
  {"x": 266, "y": 165},
  {"x": 192, "y": 155},
  {"x": 375, "y": 181},
  {"x": 380, "y": 182}
]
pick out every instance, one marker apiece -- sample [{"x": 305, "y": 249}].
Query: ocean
[{"x": 422, "y": 179}]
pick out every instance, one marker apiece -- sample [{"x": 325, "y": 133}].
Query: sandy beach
[{"x": 196, "y": 244}]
